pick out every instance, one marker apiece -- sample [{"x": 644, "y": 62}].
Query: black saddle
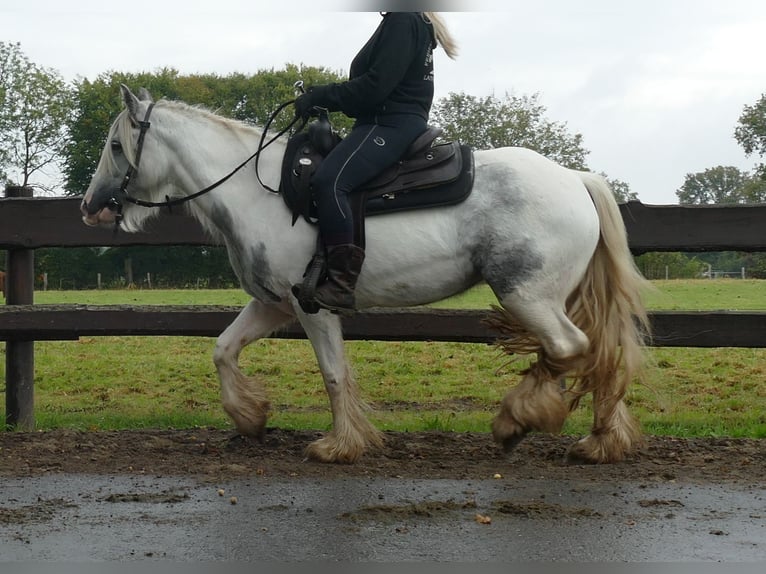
[{"x": 428, "y": 175}]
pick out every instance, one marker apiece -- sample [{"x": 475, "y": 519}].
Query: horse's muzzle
[{"x": 100, "y": 213}]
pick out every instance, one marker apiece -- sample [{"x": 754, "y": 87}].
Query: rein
[{"x": 115, "y": 204}]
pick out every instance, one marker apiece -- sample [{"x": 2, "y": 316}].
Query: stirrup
[
  {"x": 306, "y": 291},
  {"x": 335, "y": 310}
]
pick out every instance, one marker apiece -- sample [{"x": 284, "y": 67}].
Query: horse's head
[{"x": 117, "y": 171}]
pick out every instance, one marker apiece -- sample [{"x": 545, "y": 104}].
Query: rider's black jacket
[{"x": 391, "y": 74}]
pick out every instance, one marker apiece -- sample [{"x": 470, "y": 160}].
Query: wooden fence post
[{"x": 19, "y": 355}]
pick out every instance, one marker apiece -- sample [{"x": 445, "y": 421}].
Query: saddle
[{"x": 428, "y": 175}]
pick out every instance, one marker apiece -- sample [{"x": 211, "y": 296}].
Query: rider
[{"x": 389, "y": 92}]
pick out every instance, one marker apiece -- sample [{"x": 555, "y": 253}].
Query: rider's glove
[{"x": 304, "y": 105}]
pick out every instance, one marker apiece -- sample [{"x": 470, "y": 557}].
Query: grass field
[{"x": 133, "y": 382}]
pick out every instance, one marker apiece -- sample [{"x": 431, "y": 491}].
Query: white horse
[{"x": 548, "y": 240}]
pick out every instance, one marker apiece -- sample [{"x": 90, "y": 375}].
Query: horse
[{"x": 548, "y": 240}]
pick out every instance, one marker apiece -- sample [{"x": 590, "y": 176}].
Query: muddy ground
[
  {"x": 216, "y": 455},
  {"x": 205, "y": 495}
]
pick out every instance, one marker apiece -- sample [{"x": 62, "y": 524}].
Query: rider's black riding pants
[{"x": 373, "y": 145}]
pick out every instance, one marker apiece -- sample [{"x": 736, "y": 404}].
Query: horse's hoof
[
  {"x": 326, "y": 450},
  {"x": 507, "y": 432},
  {"x": 260, "y": 436},
  {"x": 235, "y": 441},
  {"x": 577, "y": 456},
  {"x": 239, "y": 439},
  {"x": 511, "y": 442}
]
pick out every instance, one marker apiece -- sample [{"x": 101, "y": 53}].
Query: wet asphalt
[{"x": 142, "y": 518}]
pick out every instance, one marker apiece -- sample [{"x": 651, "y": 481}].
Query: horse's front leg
[
  {"x": 351, "y": 432},
  {"x": 244, "y": 398}
]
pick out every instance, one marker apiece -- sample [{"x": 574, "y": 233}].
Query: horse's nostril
[{"x": 86, "y": 208}]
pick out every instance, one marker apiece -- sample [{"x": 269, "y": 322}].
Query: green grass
[
  {"x": 708, "y": 295},
  {"x": 170, "y": 382},
  {"x": 744, "y": 295},
  {"x": 144, "y": 297}
]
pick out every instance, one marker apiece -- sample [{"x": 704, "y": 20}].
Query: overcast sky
[{"x": 655, "y": 87}]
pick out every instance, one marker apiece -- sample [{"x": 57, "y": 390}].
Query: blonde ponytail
[{"x": 443, "y": 36}]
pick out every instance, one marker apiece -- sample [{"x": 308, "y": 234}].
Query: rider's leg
[{"x": 364, "y": 153}]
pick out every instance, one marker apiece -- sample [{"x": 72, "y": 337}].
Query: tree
[
  {"x": 621, "y": 190},
  {"x": 751, "y": 135},
  {"x": 670, "y": 265},
  {"x": 492, "y": 122},
  {"x": 720, "y": 185},
  {"x": 750, "y": 132},
  {"x": 754, "y": 189},
  {"x": 35, "y": 103}
]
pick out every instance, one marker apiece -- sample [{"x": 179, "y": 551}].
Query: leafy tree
[
  {"x": 35, "y": 103},
  {"x": 621, "y": 190},
  {"x": 754, "y": 189},
  {"x": 754, "y": 264},
  {"x": 720, "y": 185},
  {"x": 750, "y": 132},
  {"x": 493, "y": 122},
  {"x": 751, "y": 135},
  {"x": 673, "y": 265},
  {"x": 70, "y": 267}
]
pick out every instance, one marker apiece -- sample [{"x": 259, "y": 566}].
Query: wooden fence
[{"x": 29, "y": 223}]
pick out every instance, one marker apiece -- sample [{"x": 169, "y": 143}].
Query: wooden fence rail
[
  {"x": 30, "y": 223},
  {"x": 69, "y": 322},
  {"x": 55, "y": 222}
]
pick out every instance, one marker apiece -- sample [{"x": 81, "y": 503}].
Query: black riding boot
[{"x": 344, "y": 262}]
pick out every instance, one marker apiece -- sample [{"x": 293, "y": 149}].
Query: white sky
[{"x": 655, "y": 87}]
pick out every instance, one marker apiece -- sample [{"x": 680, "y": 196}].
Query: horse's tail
[{"x": 608, "y": 307}]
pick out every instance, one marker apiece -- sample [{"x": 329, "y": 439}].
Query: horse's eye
[{"x": 116, "y": 145}]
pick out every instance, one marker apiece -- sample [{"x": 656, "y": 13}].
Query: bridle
[{"x": 115, "y": 204}]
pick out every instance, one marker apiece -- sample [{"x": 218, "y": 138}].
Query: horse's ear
[
  {"x": 131, "y": 102},
  {"x": 144, "y": 95}
]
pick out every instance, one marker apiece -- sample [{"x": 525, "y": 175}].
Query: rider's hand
[{"x": 304, "y": 106}]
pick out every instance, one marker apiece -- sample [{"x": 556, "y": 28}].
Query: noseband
[{"x": 114, "y": 203}]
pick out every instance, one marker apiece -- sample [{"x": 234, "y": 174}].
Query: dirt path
[{"x": 214, "y": 455}]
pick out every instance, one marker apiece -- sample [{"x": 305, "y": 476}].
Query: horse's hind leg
[
  {"x": 244, "y": 398},
  {"x": 537, "y": 403},
  {"x": 351, "y": 431}
]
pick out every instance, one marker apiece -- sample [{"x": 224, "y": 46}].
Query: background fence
[{"x": 28, "y": 223}]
